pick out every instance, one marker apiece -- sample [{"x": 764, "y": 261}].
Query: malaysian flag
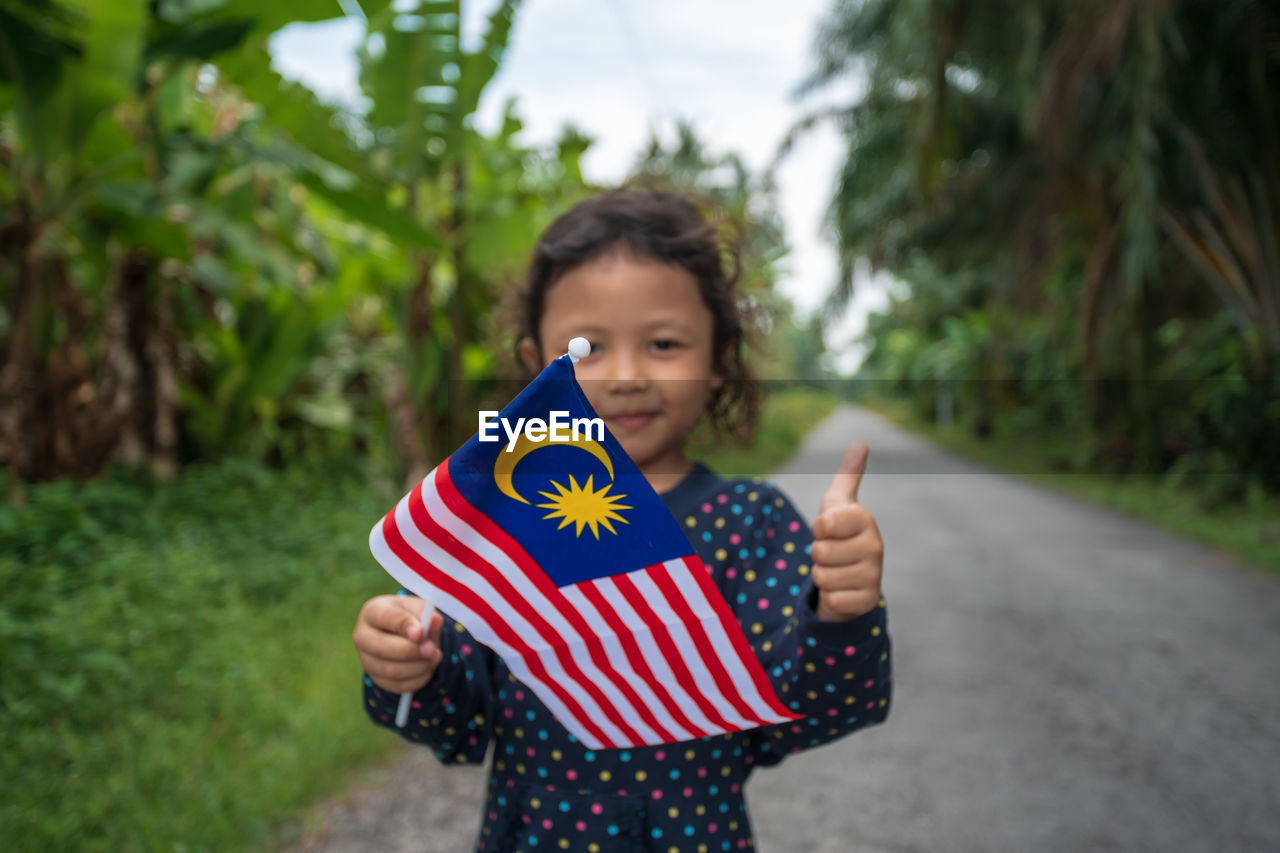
[{"x": 560, "y": 557}]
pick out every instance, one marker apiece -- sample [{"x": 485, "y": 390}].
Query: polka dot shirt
[{"x": 547, "y": 791}]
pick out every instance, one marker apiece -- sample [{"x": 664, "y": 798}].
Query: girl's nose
[{"x": 626, "y": 371}]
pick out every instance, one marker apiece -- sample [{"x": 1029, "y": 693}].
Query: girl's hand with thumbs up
[{"x": 847, "y": 551}]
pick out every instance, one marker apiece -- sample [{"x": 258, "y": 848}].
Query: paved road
[{"x": 1065, "y": 679}]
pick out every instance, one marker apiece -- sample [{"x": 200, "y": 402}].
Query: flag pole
[
  {"x": 406, "y": 699},
  {"x": 579, "y": 348}
]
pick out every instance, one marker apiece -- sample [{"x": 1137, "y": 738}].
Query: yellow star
[{"x": 583, "y": 506}]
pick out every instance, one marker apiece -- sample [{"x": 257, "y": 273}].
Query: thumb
[
  {"x": 844, "y": 485},
  {"x": 407, "y": 621}
]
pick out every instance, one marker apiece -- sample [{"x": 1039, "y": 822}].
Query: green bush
[{"x": 177, "y": 663}]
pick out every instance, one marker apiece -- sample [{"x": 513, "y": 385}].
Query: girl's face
[{"x": 650, "y": 374}]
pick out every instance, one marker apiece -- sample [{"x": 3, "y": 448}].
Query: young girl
[{"x": 642, "y": 276}]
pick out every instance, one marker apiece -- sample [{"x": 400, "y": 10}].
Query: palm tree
[{"x": 1109, "y": 166}]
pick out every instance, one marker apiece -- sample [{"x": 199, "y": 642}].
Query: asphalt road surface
[{"x": 1065, "y": 679}]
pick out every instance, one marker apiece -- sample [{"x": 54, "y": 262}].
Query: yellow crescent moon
[{"x": 506, "y": 464}]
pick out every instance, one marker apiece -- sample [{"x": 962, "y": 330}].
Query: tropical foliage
[
  {"x": 200, "y": 258},
  {"x": 1081, "y": 199}
]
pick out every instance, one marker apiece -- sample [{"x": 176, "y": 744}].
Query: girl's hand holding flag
[{"x": 395, "y": 651}]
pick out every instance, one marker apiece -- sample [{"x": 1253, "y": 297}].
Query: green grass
[
  {"x": 1248, "y": 531},
  {"x": 177, "y": 664},
  {"x": 785, "y": 419},
  {"x": 178, "y": 670}
]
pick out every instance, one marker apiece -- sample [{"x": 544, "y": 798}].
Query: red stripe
[
  {"x": 743, "y": 649},
  {"x": 500, "y": 539},
  {"x": 515, "y": 599},
  {"x": 711, "y": 658},
  {"x": 481, "y": 608},
  {"x": 635, "y": 656},
  {"x": 512, "y": 598},
  {"x": 662, "y": 637}
]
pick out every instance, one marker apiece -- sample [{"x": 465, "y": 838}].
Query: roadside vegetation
[
  {"x": 1247, "y": 529},
  {"x": 1074, "y": 206}
]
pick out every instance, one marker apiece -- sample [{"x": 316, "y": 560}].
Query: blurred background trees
[
  {"x": 785, "y": 348},
  {"x": 1080, "y": 201},
  {"x": 201, "y": 259}
]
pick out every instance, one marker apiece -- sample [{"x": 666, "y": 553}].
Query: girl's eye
[{"x": 664, "y": 345}]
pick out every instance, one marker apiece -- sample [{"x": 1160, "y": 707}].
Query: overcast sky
[{"x": 616, "y": 68}]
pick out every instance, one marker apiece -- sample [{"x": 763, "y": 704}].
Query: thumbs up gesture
[{"x": 847, "y": 551}]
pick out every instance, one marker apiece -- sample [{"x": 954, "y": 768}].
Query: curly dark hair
[{"x": 668, "y": 227}]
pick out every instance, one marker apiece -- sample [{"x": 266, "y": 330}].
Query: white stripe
[
  {"x": 717, "y": 632},
  {"x": 407, "y": 577},
  {"x": 653, "y": 655},
  {"x": 477, "y": 584},
  {"x": 618, "y": 657},
  {"x": 538, "y": 601},
  {"x": 479, "y": 629},
  {"x": 693, "y": 659}
]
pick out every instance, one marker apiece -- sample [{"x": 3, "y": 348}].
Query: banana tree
[
  {"x": 200, "y": 257},
  {"x": 424, "y": 85},
  {"x": 69, "y": 73},
  {"x": 141, "y": 198}
]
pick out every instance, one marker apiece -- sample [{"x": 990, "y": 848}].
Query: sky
[{"x": 618, "y": 68}]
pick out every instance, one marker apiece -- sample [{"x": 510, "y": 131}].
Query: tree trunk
[
  {"x": 54, "y": 420},
  {"x": 405, "y": 426},
  {"x": 123, "y": 357},
  {"x": 410, "y": 420},
  {"x": 81, "y": 430},
  {"x": 17, "y": 376},
  {"x": 457, "y": 306},
  {"x": 163, "y": 353}
]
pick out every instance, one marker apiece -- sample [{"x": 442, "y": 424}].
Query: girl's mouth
[{"x": 633, "y": 420}]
